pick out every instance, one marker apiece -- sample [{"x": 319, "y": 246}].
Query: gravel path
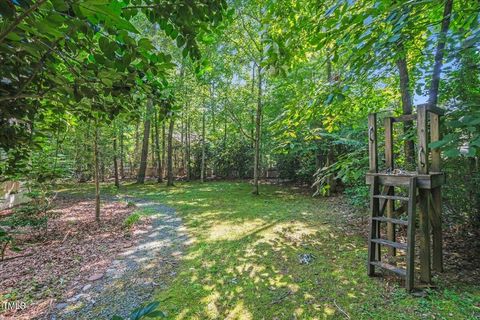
[{"x": 135, "y": 274}]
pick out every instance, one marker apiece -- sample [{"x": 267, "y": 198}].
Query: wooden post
[
  {"x": 372, "y": 142},
  {"x": 373, "y": 248},
  {"x": 388, "y": 123},
  {"x": 422, "y": 168},
  {"x": 412, "y": 204},
  {"x": 436, "y": 193},
  {"x": 422, "y": 162}
]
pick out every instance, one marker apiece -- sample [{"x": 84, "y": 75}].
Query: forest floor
[
  {"x": 280, "y": 255},
  {"x": 80, "y": 270}
]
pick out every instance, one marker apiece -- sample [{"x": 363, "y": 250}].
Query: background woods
[{"x": 119, "y": 91}]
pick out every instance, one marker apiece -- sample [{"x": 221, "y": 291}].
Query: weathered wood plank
[
  {"x": 391, "y": 197},
  {"x": 410, "y": 257},
  {"x": 374, "y": 227},
  {"x": 432, "y": 109},
  {"x": 422, "y": 162},
  {"x": 424, "y": 181},
  {"x": 436, "y": 197},
  {"x": 372, "y": 142},
  {"x": 393, "y": 244},
  {"x": 389, "y": 164},
  {"x": 391, "y": 220},
  {"x": 388, "y": 123},
  {"x": 389, "y": 267},
  {"x": 436, "y": 110},
  {"x": 424, "y": 225},
  {"x": 405, "y": 118},
  {"x": 435, "y": 136}
]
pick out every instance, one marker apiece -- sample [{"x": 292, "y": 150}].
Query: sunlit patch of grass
[
  {"x": 233, "y": 231},
  {"x": 244, "y": 261}
]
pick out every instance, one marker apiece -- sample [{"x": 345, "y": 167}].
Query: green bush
[
  {"x": 358, "y": 196},
  {"x": 461, "y": 194}
]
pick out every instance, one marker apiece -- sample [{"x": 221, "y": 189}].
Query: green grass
[
  {"x": 131, "y": 220},
  {"x": 243, "y": 261}
]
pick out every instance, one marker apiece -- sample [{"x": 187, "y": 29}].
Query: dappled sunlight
[
  {"x": 239, "y": 312},
  {"x": 246, "y": 259},
  {"x": 329, "y": 311},
  {"x": 211, "y": 309},
  {"x": 246, "y": 256},
  {"x": 233, "y": 231}
]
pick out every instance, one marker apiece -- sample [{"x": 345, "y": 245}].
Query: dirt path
[{"x": 133, "y": 277}]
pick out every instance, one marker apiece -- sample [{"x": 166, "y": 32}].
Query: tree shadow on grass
[{"x": 278, "y": 256}]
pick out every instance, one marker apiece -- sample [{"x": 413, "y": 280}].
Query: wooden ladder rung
[
  {"x": 380, "y": 196},
  {"x": 398, "y": 245},
  {"x": 389, "y": 267},
  {"x": 391, "y": 220}
]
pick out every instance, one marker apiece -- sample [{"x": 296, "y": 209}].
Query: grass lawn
[{"x": 244, "y": 261}]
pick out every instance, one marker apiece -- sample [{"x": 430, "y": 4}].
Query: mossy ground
[{"x": 244, "y": 263}]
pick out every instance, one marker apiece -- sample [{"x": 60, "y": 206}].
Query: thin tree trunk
[
  {"x": 170, "y": 153},
  {"x": 175, "y": 160},
  {"x": 182, "y": 136},
  {"x": 438, "y": 62},
  {"x": 122, "y": 169},
  {"x": 96, "y": 173},
  {"x": 202, "y": 169},
  {"x": 187, "y": 148},
  {"x": 252, "y": 131},
  {"x": 157, "y": 149},
  {"x": 406, "y": 104},
  {"x": 146, "y": 138},
  {"x": 133, "y": 168},
  {"x": 152, "y": 143},
  {"x": 163, "y": 147},
  {"x": 212, "y": 107},
  {"x": 115, "y": 161},
  {"x": 258, "y": 117}
]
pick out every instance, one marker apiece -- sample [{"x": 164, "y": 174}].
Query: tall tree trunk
[
  {"x": 212, "y": 107},
  {"x": 163, "y": 147},
  {"x": 258, "y": 117},
  {"x": 182, "y": 136},
  {"x": 170, "y": 153},
  {"x": 122, "y": 154},
  {"x": 202, "y": 169},
  {"x": 157, "y": 149},
  {"x": 438, "y": 62},
  {"x": 115, "y": 160},
  {"x": 96, "y": 173},
  {"x": 146, "y": 136},
  {"x": 252, "y": 130},
  {"x": 406, "y": 104},
  {"x": 187, "y": 148},
  {"x": 152, "y": 143}
]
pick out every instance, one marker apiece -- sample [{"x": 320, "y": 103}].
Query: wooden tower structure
[{"x": 423, "y": 191}]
